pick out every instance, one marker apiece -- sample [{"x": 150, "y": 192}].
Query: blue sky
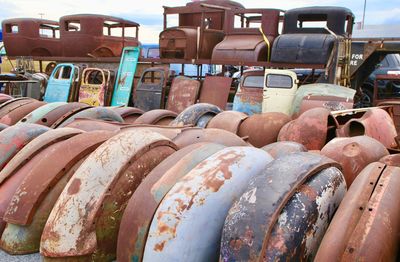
[{"x": 149, "y": 13}]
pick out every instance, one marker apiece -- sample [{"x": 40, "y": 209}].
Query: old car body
[
  {"x": 248, "y": 97},
  {"x": 96, "y": 87}
]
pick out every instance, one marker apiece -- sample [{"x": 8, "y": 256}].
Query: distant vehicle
[{"x": 150, "y": 51}]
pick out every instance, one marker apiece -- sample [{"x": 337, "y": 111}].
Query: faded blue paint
[
  {"x": 125, "y": 76},
  {"x": 241, "y": 104},
  {"x": 38, "y": 113},
  {"x": 58, "y": 90}
]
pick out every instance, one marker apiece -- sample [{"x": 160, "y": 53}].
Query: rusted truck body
[
  {"x": 96, "y": 35},
  {"x": 32, "y": 37}
]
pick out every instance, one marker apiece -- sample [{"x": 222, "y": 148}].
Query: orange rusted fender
[
  {"x": 309, "y": 129},
  {"x": 12, "y": 104},
  {"x": 188, "y": 223},
  {"x": 391, "y": 160},
  {"x": 375, "y": 123},
  {"x": 35, "y": 197},
  {"x": 19, "y": 110},
  {"x": 135, "y": 225},
  {"x": 48, "y": 114},
  {"x": 284, "y": 212},
  {"x": 354, "y": 153},
  {"x": 87, "y": 124},
  {"x": 192, "y": 114},
  {"x": 228, "y": 120},
  {"x": 281, "y": 149},
  {"x": 85, "y": 219},
  {"x": 14, "y": 138},
  {"x": 263, "y": 129},
  {"x": 34, "y": 147},
  {"x": 101, "y": 113},
  {"x": 4, "y": 98},
  {"x": 190, "y": 136},
  {"x": 160, "y": 117},
  {"x": 366, "y": 225},
  {"x": 129, "y": 114}
]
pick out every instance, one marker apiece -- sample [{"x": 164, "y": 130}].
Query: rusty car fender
[
  {"x": 283, "y": 148},
  {"x": 19, "y": 111},
  {"x": 354, "y": 153},
  {"x": 284, "y": 212},
  {"x": 366, "y": 225},
  {"x": 228, "y": 120},
  {"x": 87, "y": 214},
  {"x": 143, "y": 204},
  {"x": 156, "y": 117},
  {"x": 37, "y": 114},
  {"x": 391, "y": 160},
  {"x": 205, "y": 194},
  {"x": 129, "y": 114},
  {"x": 87, "y": 124},
  {"x": 192, "y": 114},
  {"x": 35, "y": 197}
]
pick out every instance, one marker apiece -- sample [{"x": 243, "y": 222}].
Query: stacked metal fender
[
  {"x": 284, "y": 212},
  {"x": 366, "y": 225},
  {"x": 85, "y": 220},
  {"x": 14, "y": 110},
  {"x": 196, "y": 115}
]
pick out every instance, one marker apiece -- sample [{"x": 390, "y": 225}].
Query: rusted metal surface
[
  {"x": 391, "y": 160},
  {"x": 92, "y": 40},
  {"x": 205, "y": 194},
  {"x": 284, "y": 212},
  {"x": 249, "y": 96},
  {"x": 366, "y": 225},
  {"x": 375, "y": 123},
  {"x": 135, "y": 225},
  {"x": 87, "y": 125},
  {"x": 150, "y": 90},
  {"x": 156, "y": 117},
  {"x": 190, "y": 136},
  {"x": 4, "y": 98},
  {"x": 183, "y": 93},
  {"x": 129, "y": 114},
  {"x": 17, "y": 110},
  {"x": 263, "y": 129},
  {"x": 215, "y": 91},
  {"x": 281, "y": 149},
  {"x": 309, "y": 129},
  {"x": 101, "y": 113},
  {"x": 354, "y": 153},
  {"x": 47, "y": 115},
  {"x": 85, "y": 219},
  {"x": 94, "y": 90},
  {"x": 34, "y": 147},
  {"x": 28, "y": 40},
  {"x": 14, "y": 138},
  {"x": 34, "y": 199},
  {"x": 227, "y": 120},
  {"x": 62, "y": 115},
  {"x": 192, "y": 114},
  {"x": 167, "y": 131}
]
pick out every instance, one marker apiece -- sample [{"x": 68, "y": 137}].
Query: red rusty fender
[
  {"x": 263, "y": 129},
  {"x": 281, "y": 149},
  {"x": 270, "y": 207},
  {"x": 14, "y": 138},
  {"x": 156, "y": 117},
  {"x": 102, "y": 113},
  {"x": 366, "y": 225},
  {"x": 34, "y": 147},
  {"x": 68, "y": 114},
  {"x": 35, "y": 197},
  {"x": 167, "y": 131},
  {"x": 85, "y": 219},
  {"x": 391, "y": 160},
  {"x": 4, "y": 98},
  {"x": 183, "y": 93},
  {"x": 135, "y": 224},
  {"x": 48, "y": 114},
  {"x": 129, "y": 114},
  {"x": 86, "y": 124},
  {"x": 375, "y": 123},
  {"x": 309, "y": 129},
  {"x": 190, "y": 136},
  {"x": 10, "y": 105},
  {"x": 205, "y": 194},
  {"x": 192, "y": 114},
  {"x": 215, "y": 90},
  {"x": 17, "y": 113},
  {"x": 354, "y": 153},
  {"x": 228, "y": 120}
]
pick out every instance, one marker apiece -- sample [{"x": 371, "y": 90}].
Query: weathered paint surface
[
  {"x": 92, "y": 93},
  {"x": 102, "y": 113},
  {"x": 354, "y": 153},
  {"x": 215, "y": 90},
  {"x": 201, "y": 200},
  {"x": 71, "y": 229},
  {"x": 183, "y": 93},
  {"x": 156, "y": 116},
  {"x": 248, "y": 229},
  {"x": 38, "y": 113},
  {"x": 86, "y": 124},
  {"x": 58, "y": 90},
  {"x": 14, "y": 138},
  {"x": 391, "y": 160},
  {"x": 263, "y": 129},
  {"x": 248, "y": 100},
  {"x": 191, "y": 115},
  {"x": 204, "y": 120},
  {"x": 227, "y": 120},
  {"x": 196, "y": 135},
  {"x": 283, "y": 148},
  {"x": 143, "y": 204},
  {"x": 17, "y": 113},
  {"x": 34, "y": 147},
  {"x": 129, "y": 114}
]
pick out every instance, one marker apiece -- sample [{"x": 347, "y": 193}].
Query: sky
[{"x": 148, "y": 13}]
